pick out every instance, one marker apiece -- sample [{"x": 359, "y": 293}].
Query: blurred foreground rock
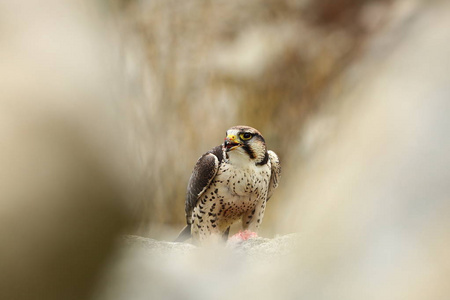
[
  {"x": 167, "y": 270},
  {"x": 63, "y": 183}
]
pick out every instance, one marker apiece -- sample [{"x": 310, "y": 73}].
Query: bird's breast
[
  {"x": 244, "y": 182},
  {"x": 233, "y": 192}
]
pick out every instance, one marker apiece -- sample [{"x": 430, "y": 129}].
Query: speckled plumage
[{"x": 231, "y": 182}]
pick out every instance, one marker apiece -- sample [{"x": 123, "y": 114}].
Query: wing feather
[
  {"x": 204, "y": 172},
  {"x": 275, "y": 173}
]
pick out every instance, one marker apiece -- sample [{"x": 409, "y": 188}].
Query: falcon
[{"x": 231, "y": 182}]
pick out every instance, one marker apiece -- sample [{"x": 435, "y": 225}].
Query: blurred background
[
  {"x": 195, "y": 68},
  {"x": 106, "y": 106}
]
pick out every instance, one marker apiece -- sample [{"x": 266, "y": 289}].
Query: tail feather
[
  {"x": 225, "y": 234},
  {"x": 184, "y": 234}
]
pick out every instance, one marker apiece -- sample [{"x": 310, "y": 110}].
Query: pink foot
[{"x": 243, "y": 236}]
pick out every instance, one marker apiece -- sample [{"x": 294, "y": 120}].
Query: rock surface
[{"x": 147, "y": 268}]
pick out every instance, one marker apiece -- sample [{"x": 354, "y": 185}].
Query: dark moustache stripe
[{"x": 249, "y": 151}]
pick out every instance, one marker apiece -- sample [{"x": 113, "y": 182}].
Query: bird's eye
[{"x": 245, "y": 136}]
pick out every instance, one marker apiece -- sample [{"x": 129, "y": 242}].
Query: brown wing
[{"x": 204, "y": 172}]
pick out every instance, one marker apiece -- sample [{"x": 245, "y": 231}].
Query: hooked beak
[{"x": 231, "y": 143}]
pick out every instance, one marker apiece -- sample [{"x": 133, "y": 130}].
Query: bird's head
[{"x": 244, "y": 142}]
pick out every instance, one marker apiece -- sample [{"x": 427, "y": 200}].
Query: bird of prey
[{"x": 231, "y": 182}]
